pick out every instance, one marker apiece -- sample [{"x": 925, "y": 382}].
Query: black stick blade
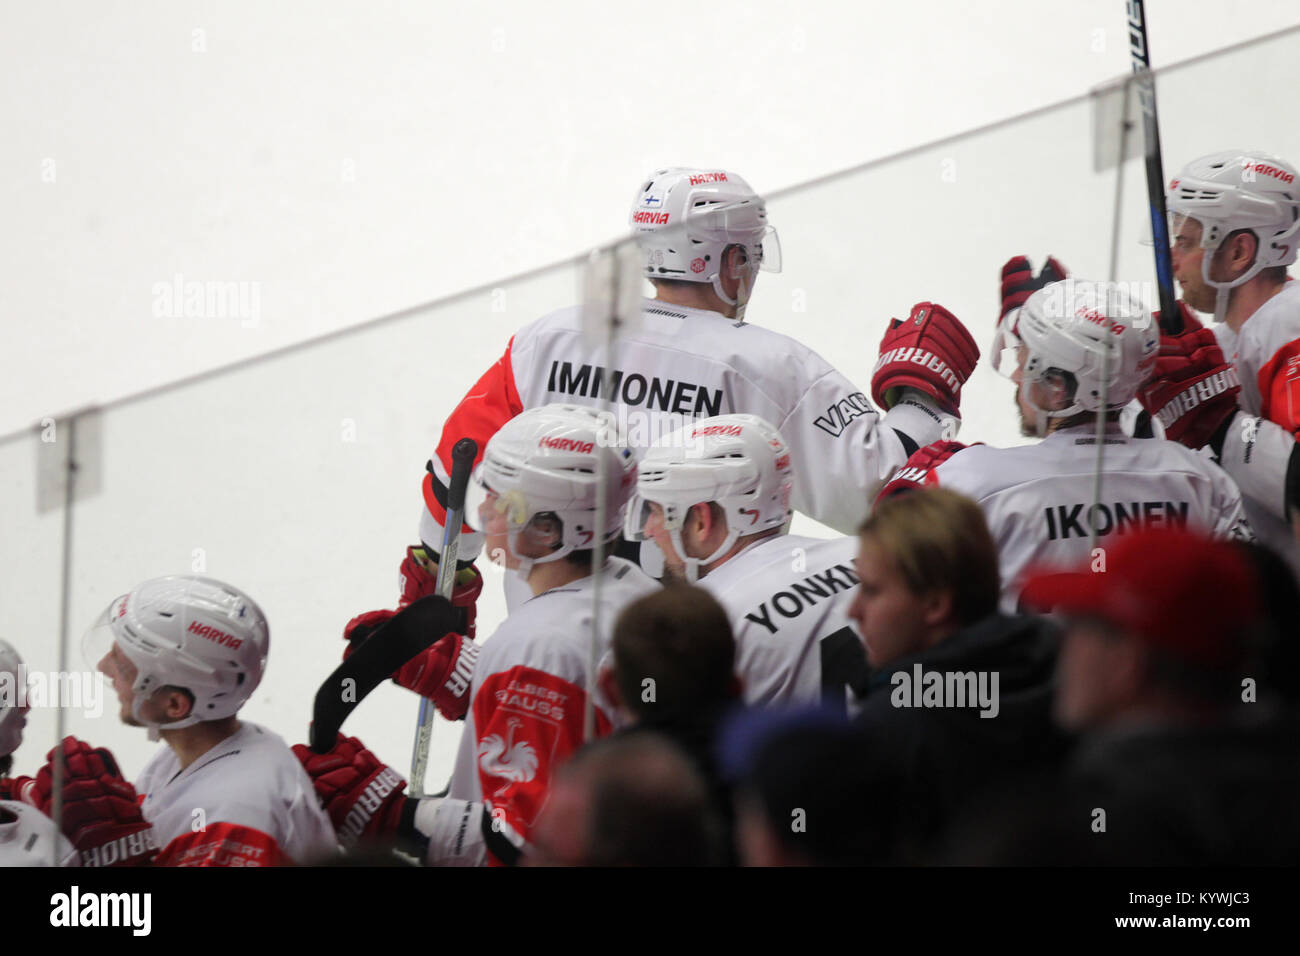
[{"x": 409, "y": 632}]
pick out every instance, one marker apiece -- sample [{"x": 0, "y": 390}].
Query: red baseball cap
[{"x": 1175, "y": 590}]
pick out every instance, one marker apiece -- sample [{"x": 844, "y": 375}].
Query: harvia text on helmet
[
  {"x": 212, "y": 634},
  {"x": 567, "y": 444}
]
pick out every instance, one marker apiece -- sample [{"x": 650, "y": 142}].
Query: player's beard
[{"x": 1028, "y": 428}]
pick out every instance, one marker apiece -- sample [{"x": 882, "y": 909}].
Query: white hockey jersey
[
  {"x": 1259, "y": 451},
  {"x": 787, "y": 598},
  {"x": 1037, "y": 498},
  {"x": 683, "y": 364},
  {"x": 246, "y": 802},
  {"x": 30, "y": 838},
  {"x": 527, "y": 702}
]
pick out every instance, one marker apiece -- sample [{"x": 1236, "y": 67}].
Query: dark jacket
[{"x": 942, "y": 758}]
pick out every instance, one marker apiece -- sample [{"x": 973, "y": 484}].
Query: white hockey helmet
[
  {"x": 191, "y": 632},
  {"x": 12, "y": 684},
  {"x": 1094, "y": 339},
  {"x": 740, "y": 462},
  {"x": 30, "y": 838},
  {"x": 1241, "y": 189},
  {"x": 685, "y": 218},
  {"x": 540, "y": 467}
]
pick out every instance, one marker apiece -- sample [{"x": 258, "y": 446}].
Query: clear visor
[
  {"x": 493, "y": 513},
  {"x": 98, "y": 640},
  {"x": 768, "y": 250},
  {"x": 635, "y": 521},
  {"x": 1005, "y": 353}
]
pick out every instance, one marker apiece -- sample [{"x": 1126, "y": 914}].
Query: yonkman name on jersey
[
  {"x": 791, "y": 602},
  {"x": 668, "y": 395}
]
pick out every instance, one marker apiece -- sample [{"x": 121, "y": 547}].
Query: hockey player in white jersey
[
  {"x": 534, "y": 497},
  {"x": 27, "y": 836},
  {"x": 704, "y": 236},
  {"x": 1083, "y": 350},
  {"x": 715, "y": 496},
  {"x": 1235, "y": 389},
  {"x": 184, "y": 654}
]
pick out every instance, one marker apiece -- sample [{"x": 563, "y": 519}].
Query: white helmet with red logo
[
  {"x": 1093, "y": 340},
  {"x": 194, "y": 633},
  {"x": 539, "y": 473},
  {"x": 685, "y": 219},
  {"x": 740, "y": 462},
  {"x": 1239, "y": 189},
  {"x": 12, "y": 685}
]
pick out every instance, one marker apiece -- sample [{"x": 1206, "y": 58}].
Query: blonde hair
[{"x": 939, "y": 540}]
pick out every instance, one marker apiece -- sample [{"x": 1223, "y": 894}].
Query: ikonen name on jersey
[
  {"x": 1063, "y": 521},
  {"x": 212, "y": 634},
  {"x": 681, "y": 398},
  {"x": 805, "y": 593}
]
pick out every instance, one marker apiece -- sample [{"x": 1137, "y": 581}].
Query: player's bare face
[
  {"x": 121, "y": 673},
  {"x": 496, "y": 538},
  {"x": 674, "y": 566},
  {"x": 890, "y": 617},
  {"x": 1187, "y": 257},
  {"x": 1028, "y": 417}
]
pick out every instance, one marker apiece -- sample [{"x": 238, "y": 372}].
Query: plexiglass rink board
[{"x": 297, "y": 479}]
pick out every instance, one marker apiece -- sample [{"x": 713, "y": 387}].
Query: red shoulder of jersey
[
  {"x": 1279, "y": 387},
  {"x": 223, "y": 844},
  {"x": 918, "y": 470},
  {"x": 489, "y": 404}
]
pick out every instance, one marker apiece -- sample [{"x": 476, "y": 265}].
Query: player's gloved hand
[
  {"x": 362, "y": 796},
  {"x": 1193, "y": 392},
  {"x": 101, "y": 815},
  {"x": 1018, "y": 284},
  {"x": 1019, "y": 281},
  {"x": 918, "y": 467},
  {"x": 419, "y": 578},
  {"x": 930, "y": 351},
  {"x": 442, "y": 673}
]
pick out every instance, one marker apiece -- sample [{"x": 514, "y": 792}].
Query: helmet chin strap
[
  {"x": 1223, "y": 290},
  {"x": 153, "y": 728},
  {"x": 693, "y": 565},
  {"x": 525, "y": 567}
]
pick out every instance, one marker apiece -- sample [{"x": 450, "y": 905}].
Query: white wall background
[{"x": 351, "y": 160}]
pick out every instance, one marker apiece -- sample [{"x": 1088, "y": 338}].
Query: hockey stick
[
  {"x": 406, "y": 634},
  {"x": 1171, "y": 321},
  {"x": 462, "y": 462}
]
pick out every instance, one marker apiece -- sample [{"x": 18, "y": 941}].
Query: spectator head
[
  {"x": 1158, "y": 626},
  {"x": 928, "y": 568},
  {"x": 628, "y": 801},
  {"x": 673, "y": 657},
  {"x": 809, "y": 791}
]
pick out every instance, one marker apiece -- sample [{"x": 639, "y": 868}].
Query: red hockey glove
[
  {"x": 442, "y": 673},
  {"x": 930, "y": 351},
  {"x": 362, "y": 796},
  {"x": 1019, "y": 281},
  {"x": 917, "y": 468},
  {"x": 416, "y": 582},
  {"x": 101, "y": 813},
  {"x": 1018, "y": 284},
  {"x": 1193, "y": 392}
]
